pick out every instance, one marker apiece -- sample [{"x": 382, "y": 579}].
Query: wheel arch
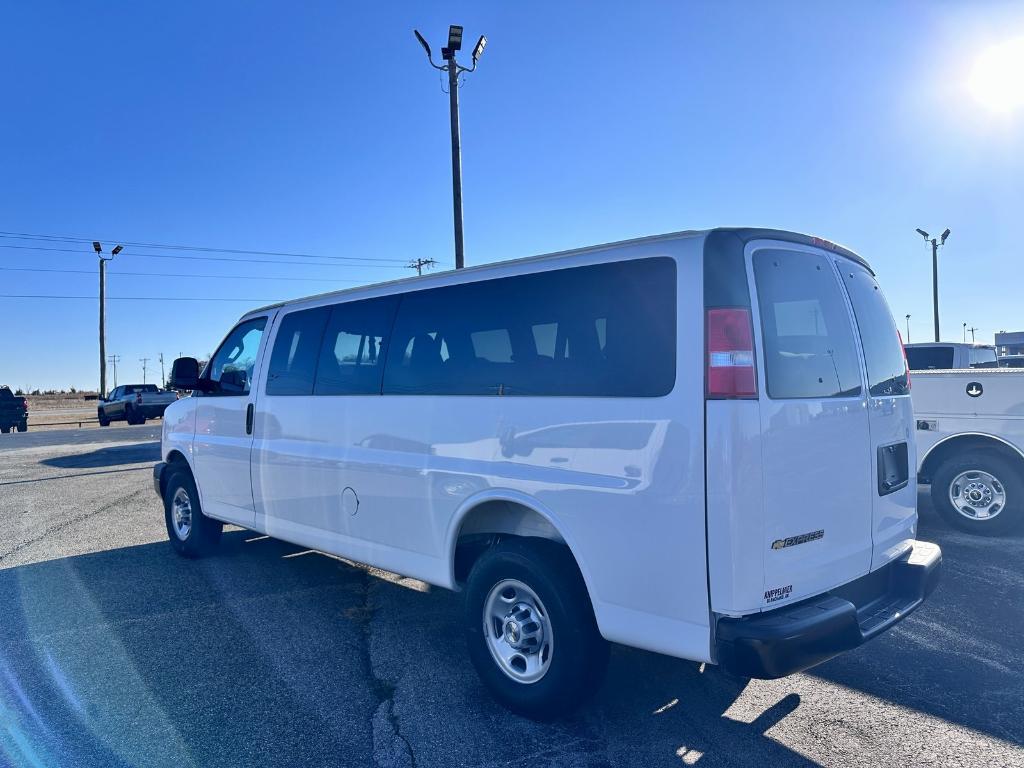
[
  {"x": 176, "y": 459},
  {"x": 964, "y": 442},
  {"x": 484, "y": 517}
]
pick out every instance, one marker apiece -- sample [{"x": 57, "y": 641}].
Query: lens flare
[{"x": 997, "y": 80}]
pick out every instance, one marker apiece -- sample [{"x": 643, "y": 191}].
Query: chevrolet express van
[{"x": 700, "y": 444}]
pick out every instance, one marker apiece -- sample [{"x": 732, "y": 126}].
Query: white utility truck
[{"x": 970, "y": 446}]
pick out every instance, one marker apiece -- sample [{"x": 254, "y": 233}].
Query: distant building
[{"x": 1011, "y": 343}]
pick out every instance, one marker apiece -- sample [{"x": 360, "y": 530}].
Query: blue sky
[{"x": 319, "y": 128}]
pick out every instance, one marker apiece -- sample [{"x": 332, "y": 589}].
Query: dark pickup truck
[{"x": 13, "y": 411}]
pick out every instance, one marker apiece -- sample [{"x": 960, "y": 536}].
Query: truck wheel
[
  {"x": 980, "y": 492},
  {"x": 5, "y": 429},
  {"x": 192, "y": 533},
  {"x": 104, "y": 421},
  {"x": 23, "y": 426},
  {"x": 530, "y": 628}
]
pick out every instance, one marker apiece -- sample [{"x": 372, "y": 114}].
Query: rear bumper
[
  {"x": 158, "y": 471},
  {"x": 790, "y": 639}
]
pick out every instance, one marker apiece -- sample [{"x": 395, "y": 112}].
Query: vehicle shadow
[
  {"x": 960, "y": 657},
  {"x": 268, "y": 654},
  {"x": 107, "y": 457}
]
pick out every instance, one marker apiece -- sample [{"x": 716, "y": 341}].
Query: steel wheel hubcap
[
  {"x": 518, "y": 631},
  {"x": 977, "y": 495},
  {"x": 181, "y": 513}
]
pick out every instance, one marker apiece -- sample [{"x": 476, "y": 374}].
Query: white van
[{"x": 700, "y": 444}]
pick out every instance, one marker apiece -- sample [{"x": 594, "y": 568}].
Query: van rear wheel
[
  {"x": 530, "y": 628},
  {"x": 980, "y": 492},
  {"x": 192, "y": 533}
]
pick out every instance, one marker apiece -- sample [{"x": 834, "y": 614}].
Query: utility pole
[
  {"x": 103, "y": 311},
  {"x": 454, "y": 69},
  {"x": 163, "y": 379},
  {"x": 419, "y": 264},
  {"x": 143, "y": 360},
  {"x": 908, "y": 329},
  {"x": 113, "y": 360},
  {"x": 972, "y": 329},
  {"x": 935, "y": 243}
]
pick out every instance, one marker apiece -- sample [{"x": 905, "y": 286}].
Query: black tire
[
  {"x": 129, "y": 415},
  {"x": 203, "y": 533},
  {"x": 1009, "y": 475},
  {"x": 23, "y": 426},
  {"x": 104, "y": 421},
  {"x": 5, "y": 429},
  {"x": 579, "y": 655}
]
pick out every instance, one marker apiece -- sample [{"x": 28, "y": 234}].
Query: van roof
[{"x": 744, "y": 233}]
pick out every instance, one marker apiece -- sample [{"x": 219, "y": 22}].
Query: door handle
[{"x": 248, "y": 419}]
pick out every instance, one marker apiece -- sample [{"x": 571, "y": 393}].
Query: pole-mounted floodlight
[
  {"x": 478, "y": 49},
  {"x": 454, "y": 69},
  {"x": 117, "y": 250},
  {"x": 423, "y": 42},
  {"x": 934, "y": 243},
  {"x": 97, "y": 247},
  {"x": 454, "y": 39}
]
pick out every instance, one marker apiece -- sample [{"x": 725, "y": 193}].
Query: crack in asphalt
[
  {"x": 68, "y": 522},
  {"x": 390, "y": 747}
]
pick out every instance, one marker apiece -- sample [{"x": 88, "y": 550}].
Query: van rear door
[
  {"x": 815, "y": 433},
  {"x": 890, "y": 416}
]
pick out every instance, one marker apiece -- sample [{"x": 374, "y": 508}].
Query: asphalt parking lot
[{"x": 113, "y": 651}]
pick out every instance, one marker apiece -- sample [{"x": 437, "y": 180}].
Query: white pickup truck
[{"x": 970, "y": 446}]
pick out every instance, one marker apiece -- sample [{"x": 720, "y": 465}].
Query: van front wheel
[
  {"x": 530, "y": 628},
  {"x": 192, "y": 533},
  {"x": 980, "y": 492}
]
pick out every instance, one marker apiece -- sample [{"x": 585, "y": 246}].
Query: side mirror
[{"x": 185, "y": 373}]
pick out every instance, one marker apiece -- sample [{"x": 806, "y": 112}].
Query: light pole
[
  {"x": 103, "y": 310},
  {"x": 454, "y": 69},
  {"x": 908, "y": 329},
  {"x": 935, "y": 243}
]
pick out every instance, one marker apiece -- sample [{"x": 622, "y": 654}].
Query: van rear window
[
  {"x": 883, "y": 353},
  {"x": 807, "y": 335}
]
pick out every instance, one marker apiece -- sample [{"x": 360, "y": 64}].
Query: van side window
[
  {"x": 606, "y": 330},
  {"x": 296, "y": 349},
  {"x": 883, "y": 353},
  {"x": 231, "y": 366},
  {"x": 808, "y": 340},
  {"x": 355, "y": 346}
]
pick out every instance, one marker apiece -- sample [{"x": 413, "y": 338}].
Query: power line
[
  {"x": 133, "y": 298},
  {"x": 221, "y": 258},
  {"x": 203, "y": 248},
  {"x": 184, "y": 274}
]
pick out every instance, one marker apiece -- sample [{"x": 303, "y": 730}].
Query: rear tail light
[
  {"x": 138, "y": 398},
  {"x": 730, "y": 353}
]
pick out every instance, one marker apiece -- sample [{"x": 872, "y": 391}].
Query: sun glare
[{"x": 997, "y": 79}]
